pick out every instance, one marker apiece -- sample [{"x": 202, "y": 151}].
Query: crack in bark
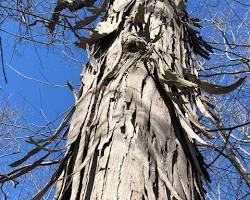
[
  {"x": 173, "y": 45},
  {"x": 143, "y": 84},
  {"x": 149, "y": 117},
  {"x": 92, "y": 175},
  {"x": 119, "y": 176},
  {"x": 106, "y": 167},
  {"x": 155, "y": 184},
  {"x": 133, "y": 119}
]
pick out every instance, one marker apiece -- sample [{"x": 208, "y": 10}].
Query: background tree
[
  {"x": 134, "y": 125},
  {"x": 9, "y": 141}
]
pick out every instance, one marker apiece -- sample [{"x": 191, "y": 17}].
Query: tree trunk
[{"x": 126, "y": 139}]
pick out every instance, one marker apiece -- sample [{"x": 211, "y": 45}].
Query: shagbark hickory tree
[
  {"x": 131, "y": 135},
  {"x": 134, "y": 127}
]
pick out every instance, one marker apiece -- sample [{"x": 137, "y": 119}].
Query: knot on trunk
[{"x": 134, "y": 43}]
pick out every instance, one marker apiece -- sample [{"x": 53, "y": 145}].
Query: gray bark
[{"x": 131, "y": 136}]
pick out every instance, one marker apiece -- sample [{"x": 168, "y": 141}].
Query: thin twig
[
  {"x": 34, "y": 79},
  {"x": 3, "y": 68},
  {"x": 229, "y": 128}
]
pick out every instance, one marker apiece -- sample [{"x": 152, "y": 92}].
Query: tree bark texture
[{"x": 131, "y": 136}]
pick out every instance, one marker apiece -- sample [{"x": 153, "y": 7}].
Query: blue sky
[
  {"x": 36, "y": 102},
  {"x": 41, "y": 63}
]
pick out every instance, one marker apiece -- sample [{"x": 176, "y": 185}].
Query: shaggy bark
[{"x": 131, "y": 135}]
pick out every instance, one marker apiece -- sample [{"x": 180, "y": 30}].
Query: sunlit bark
[{"x": 126, "y": 137}]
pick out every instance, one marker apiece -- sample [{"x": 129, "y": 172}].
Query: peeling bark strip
[{"x": 131, "y": 134}]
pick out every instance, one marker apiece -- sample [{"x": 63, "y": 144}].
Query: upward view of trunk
[{"x": 131, "y": 136}]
